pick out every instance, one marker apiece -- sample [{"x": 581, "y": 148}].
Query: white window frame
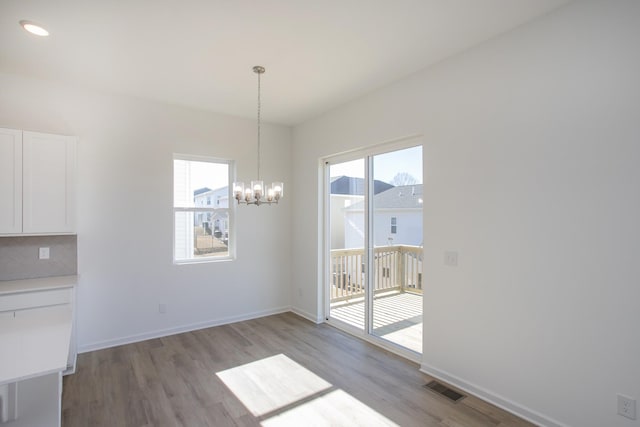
[{"x": 231, "y": 243}]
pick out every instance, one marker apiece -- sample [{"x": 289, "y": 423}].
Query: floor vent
[{"x": 445, "y": 391}]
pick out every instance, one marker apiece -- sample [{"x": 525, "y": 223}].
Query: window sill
[{"x": 204, "y": 261}]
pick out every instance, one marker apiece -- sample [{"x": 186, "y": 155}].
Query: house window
[
  {"x": 201, "y": 231},
  {"x": 394, "y": 225}
]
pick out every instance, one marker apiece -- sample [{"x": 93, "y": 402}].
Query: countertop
[
  {"x": 40, "y": 284},
  {"x": 34, "y": 343}
]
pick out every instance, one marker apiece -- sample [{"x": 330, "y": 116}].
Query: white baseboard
[
  {"x": 99, "y": 345},
  {"x": 315, "y": 319},
  {"x": 71, "y": 369},
  {"x": 493, "y": 398}
]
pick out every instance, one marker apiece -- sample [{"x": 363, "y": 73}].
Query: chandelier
[{"x": 256, "y": 193}]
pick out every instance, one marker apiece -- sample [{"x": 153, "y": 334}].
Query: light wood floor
[
  {"x": 275, "y": 371},
  {"x": 397, "y": 317}
]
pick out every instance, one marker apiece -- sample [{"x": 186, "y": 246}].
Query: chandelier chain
[
  {"x": 257, "y": 193},
  {"x": 259, "y": 125}
]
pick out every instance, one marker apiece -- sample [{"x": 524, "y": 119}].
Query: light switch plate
[
  {"x": 627, "y": 406},
  {"x": 43, "y": 253}
]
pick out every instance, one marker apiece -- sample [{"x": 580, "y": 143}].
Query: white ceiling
[{"x": 318, "y": 54}]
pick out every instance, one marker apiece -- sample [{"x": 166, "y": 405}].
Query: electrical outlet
[
  {"x": 627, "y": 407},
  {"x": 162, "y": 308},
  {"x": 43, "y": 253},
  {"x": 451, "y": 258}
]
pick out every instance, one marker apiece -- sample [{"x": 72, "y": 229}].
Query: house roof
[
  {"x": 355, "y": 186},
  {"x": 400, "y": 197},
  {"x": 201, "y": 190}
]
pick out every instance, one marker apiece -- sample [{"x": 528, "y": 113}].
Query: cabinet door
[
  {"x": 49, "y": 175},
  {"x": 10, "y": 181}
]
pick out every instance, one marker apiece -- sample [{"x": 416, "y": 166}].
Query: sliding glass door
[
  {"x": 374, "y": 232},
  {"x": 347, "y": 285},
  {"x": 396, "y": 214}
]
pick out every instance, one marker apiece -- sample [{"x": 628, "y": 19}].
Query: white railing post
[{"x": 401, "y": 272}]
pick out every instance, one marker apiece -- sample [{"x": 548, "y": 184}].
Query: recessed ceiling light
[{"x": 34, "y": 28}]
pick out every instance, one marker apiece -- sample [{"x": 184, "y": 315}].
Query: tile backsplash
[{"x": 19, "y": 257}]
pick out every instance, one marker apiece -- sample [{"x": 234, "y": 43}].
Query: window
[
  {"x": 394, "y": 225},
  {"x": 201, "y": 232}
]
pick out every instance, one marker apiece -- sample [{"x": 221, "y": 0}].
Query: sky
[
  {"x": 385, "y": 166},
  {"x": 212, "y": 175}
]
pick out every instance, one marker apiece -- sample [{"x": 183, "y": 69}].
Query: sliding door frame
[{"x": 367, "y": 154}]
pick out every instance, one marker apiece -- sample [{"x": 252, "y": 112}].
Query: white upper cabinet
[
  {"x": 46, "y": 186},
  {"x": 10, "y": 181},
  {"x": 48, "y": 180}
]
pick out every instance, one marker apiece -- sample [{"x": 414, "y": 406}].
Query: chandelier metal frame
[{"x": 256, "y": 193}]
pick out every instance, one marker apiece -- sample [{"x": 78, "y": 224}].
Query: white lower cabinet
[{"x": 37, "y": 319}]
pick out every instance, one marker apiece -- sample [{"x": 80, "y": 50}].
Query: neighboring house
[
  {"x": 206, "y": 197},
  {"x": 204, "y": 223},
  {"x": 397, "y": 218},
  {"x": 212, "y": 222},
  {"x": 347, "y": 191}
]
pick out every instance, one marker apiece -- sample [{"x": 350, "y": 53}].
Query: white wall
[
  {"x": 125, "y": 173},
  {"x": 532, "y": 172}
]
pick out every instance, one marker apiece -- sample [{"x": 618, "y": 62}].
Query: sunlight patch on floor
[
  {"x": 336, "y": 408},
  {"x": 269, "y": 384},
  {"x": 280, "y": 392}
]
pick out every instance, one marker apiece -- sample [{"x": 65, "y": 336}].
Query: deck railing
[{"x": 397, "y": 267}]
